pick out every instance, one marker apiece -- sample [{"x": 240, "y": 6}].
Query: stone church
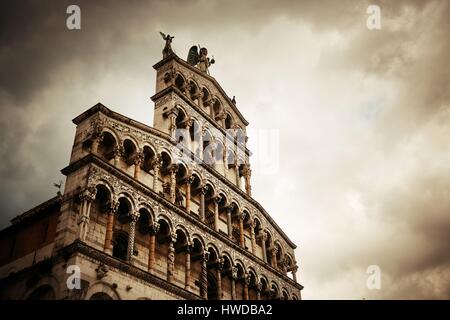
[{"x": 162, "y": 212}]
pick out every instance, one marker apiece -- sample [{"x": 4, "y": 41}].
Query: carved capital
[
  {"x": 153, "y": 228},
  {"x": 113, "y": 206},
  {"x": 205, "y": 256},
  {"x": 234, "y": 273},
  {"x": 88, "y": 194}
]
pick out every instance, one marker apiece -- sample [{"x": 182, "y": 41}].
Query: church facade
[{"x": 162, "y": 212}]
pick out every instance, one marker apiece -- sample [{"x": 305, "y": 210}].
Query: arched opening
[
  {"x": 213, "y": 264},
  {"x": 218, "y": 159},
  {"x": 182, "y": 129},
  {"x": 166, "y": 163},
  {"x": 217, "y": 110},
  {"x": 258, "y": 238},
  {"x": 284, "y": 295},
  {"x": 206, "y": 100},
  {"x": 121, "y": 229},
  {"x": 240, "y": 282},
  {"x": 196, "y": 265},
  {"x": 275, "y": 292},
  {"x": 129, "y": 151},
  {"x": 269, "y": 248},
  {"x": 208, "y": 148},
  {"x": 181, "y": 179},
  {"x": 163, "y": 236},
  {"x": 195, "y": 134},
  {"x": 180, "y": 83},
  {"x": 120, "y": 245},
  {"x": 196, "y": 185},
  {"x": 279, "y": 257},
  {"x": 100, "y": 296},
  {"x": 265, "y": 290},
  {"x": 247, "y": 230},
  {"x": 235, "y": 232},
  {"x": 228, "y": 121},
  {"x": 44, "y": 292},
  {"x": 149, "y": 157},
  {"x": 194, "y": 92},
  {"x": 98, "y": 214},
  {"x": 181, "y": 249},
  {"x": 252, "y": 287},
  {"x": 222, "y": 204},
  {"x": 226, "y": 278},
  {"x": 209, "y": 205},
  {"x": 107, "y": 145}
]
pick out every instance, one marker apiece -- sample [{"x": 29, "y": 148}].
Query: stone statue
[
  {"x": 200, "y": 59},
  {"x": 167, "y": 51}
]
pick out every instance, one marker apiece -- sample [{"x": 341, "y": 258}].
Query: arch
[
  {"x": 183, "y": 229},
  {"x": 120, "y": 245},
  {"x": 196, "y": 237},
  {"x": 163, "y": 218},
  {"x": 145, "y": 219},
  {"x": 227, "y": 256},
  {"x": 213, "y": 247},
  {"x": 125, "y": 208},
  {"x": 284, "y": 294},
  {"x": 229, "y": 121},
  {"x": 102, "y": 287},
  {"x": 180, "y": 81}
]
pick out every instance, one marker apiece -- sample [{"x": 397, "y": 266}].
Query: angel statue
[
  {"x": 167, "y": 51},
  {"x": 201, "y": 59}
]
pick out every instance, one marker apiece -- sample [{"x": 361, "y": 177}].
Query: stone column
[
  {"x": 130, "y": 249},
  {"x": 137, "y": 165},
  {"x": 229, "y": 222},
  {"x": 225, "y": 158},
  {"x": 172, "y": 124},
  {"x": 187, "y": 276},
  {"x": 238, "y": 180},
  {"x": 204, "y": 275},
  {"x": 86, "y": 197},
  {"x": 117, "y": 154},
  {"x": 203, "y": 191},
  {"x": 171, "y": 257},
  {"x": 217, "y": 200},
  {"x": 109, "y": 227},
  {"x": 153, "y": 230},
  {"x": 294, "y": 273},
  {"x": 188, "y": 194},
  {"x": 219, "y": 278},
  {"x": 274, "y": 256},
  {"x": 200, "y": 143},
  {"x": 252, "y": 235},
  {"x": 263, "y": 240},
  {"x": 156, "y": 167},
  {"x": 95, "y": 143},
  {"x": 234, "y": 271},
  {"x": 241, "y": 229},
  {"x": 248, "y": 187},
  {"x": 173, "y": 181}
]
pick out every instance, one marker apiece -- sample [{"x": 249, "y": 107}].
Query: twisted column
[
  {"x": 130, "y": 249},
  {"x": 204, "y": 275},
  {"x": 171, "y": 257}
]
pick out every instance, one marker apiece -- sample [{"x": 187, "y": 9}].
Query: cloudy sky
[{"x": 361, "y": 117}]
